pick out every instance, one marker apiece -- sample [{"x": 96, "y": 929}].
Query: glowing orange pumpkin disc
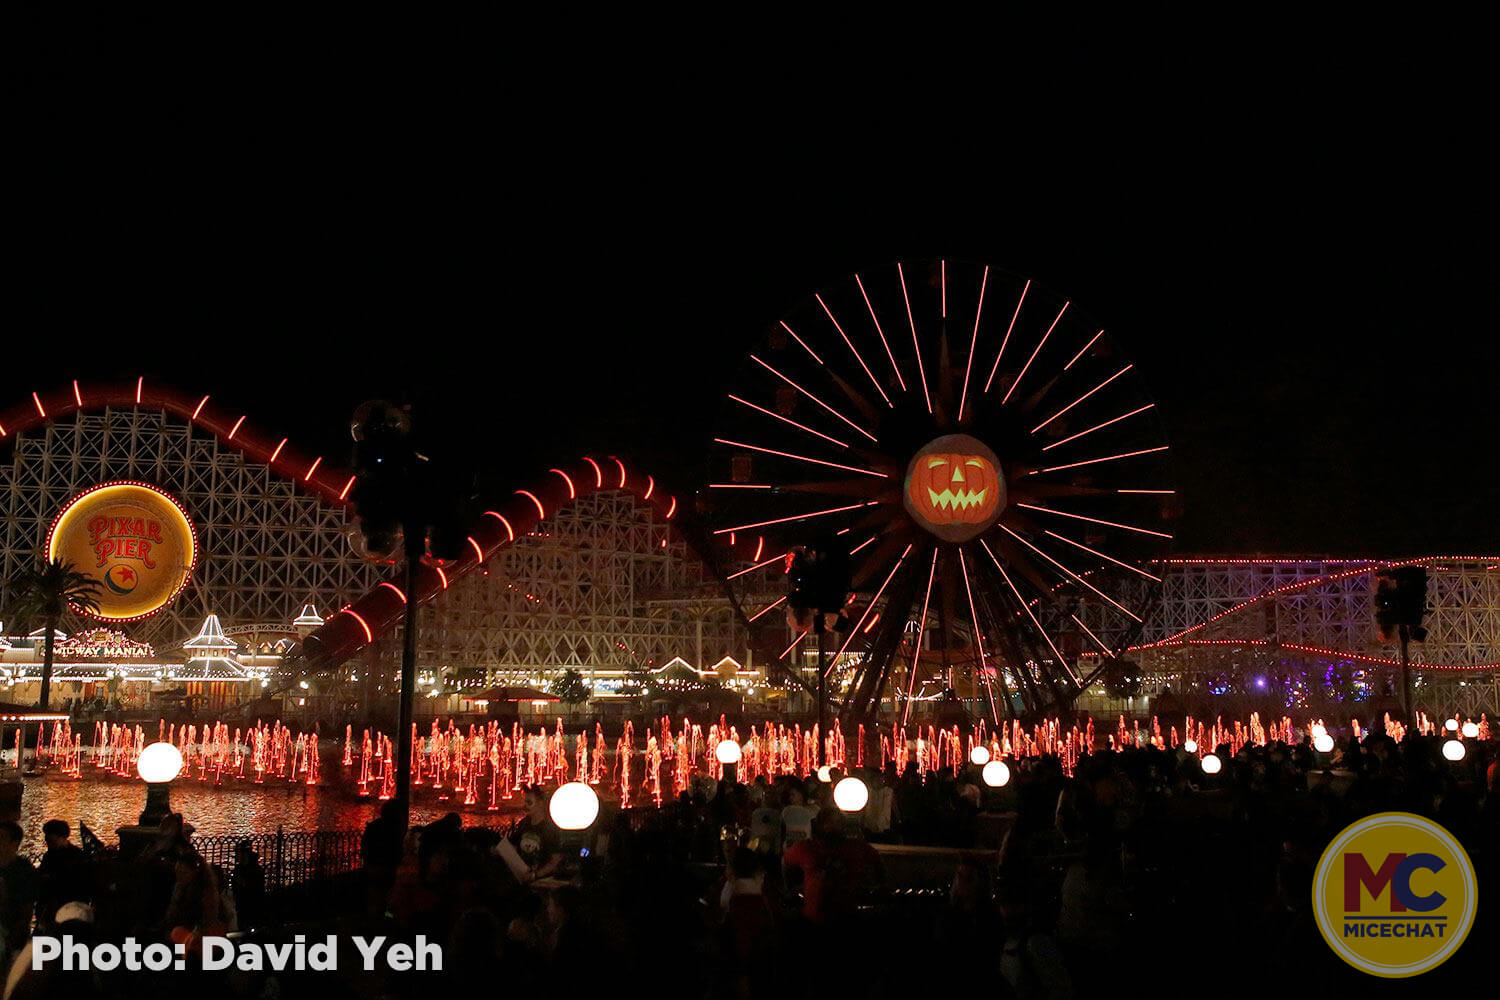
[{"x": 954, "y": 487}]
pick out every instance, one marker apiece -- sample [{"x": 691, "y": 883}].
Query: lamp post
[
  {"x": 728, "y": 754},
  {"x": 157, "y": 765}
]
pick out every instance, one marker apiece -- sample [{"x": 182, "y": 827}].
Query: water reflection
[{"x": 105, "y": 803}]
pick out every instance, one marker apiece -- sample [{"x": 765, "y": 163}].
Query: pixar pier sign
[
  {"x": 136, "y": 538},
  {"x": 1394, "y": 895}
]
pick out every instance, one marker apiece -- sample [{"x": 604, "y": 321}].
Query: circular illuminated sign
[
  {"x": 1394, "y": 895},
  {"x": 135, "y": 539},
  {"x": 954, "y": 487}
]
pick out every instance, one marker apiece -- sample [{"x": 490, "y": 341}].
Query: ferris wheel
[{"x": 986, "y": 456}]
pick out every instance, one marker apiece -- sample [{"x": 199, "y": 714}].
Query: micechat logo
[{"x": 1394, "y": 895}]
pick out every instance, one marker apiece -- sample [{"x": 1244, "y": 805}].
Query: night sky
[{"x": 1303, "y": 273}]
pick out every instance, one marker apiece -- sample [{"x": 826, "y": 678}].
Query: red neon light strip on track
[
  {"x": 884, "y": 343},
  {"x": 236, "y": 428},
  {"x": 38, "y": 401},
  {"x": 572, "y": 494},
  {"x": 598, "y": 473},
  {"x": 650, "y": 487},
  {"x": 78, "y": 398},
  {"x": 369, "y": 636},
  {"x": 343, "y": 493},
  {"x": 201, "y": 404},
  {"x": 277, "y": 453},
  {"x": 541, "y": 512},
  {"x": 797, "y": 517},
  {"x": 916, "y": 345},
  {"x": 510, "y": 533},
  {"x": 312, "y": 468},
  {"x": 854, "y": 350},
  {"x": 391, "y": 586}
]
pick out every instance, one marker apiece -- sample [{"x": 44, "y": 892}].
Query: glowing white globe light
[
  {"x": 850, "y": 795},
  {"x": 158, "y": 763},
  {"x": 574, "y": 806},
  {"x": 1451, "y": 725},
  {"x": 995, "y": 774},
  {"x": 1212, "y": 764},
  {"x": 1471, "y": 730},
  {"x": 980, "y": 755},
  {"x": 1454, "y": 750},
  {"x": 1323, "y": 743},
  {"x": 728, "y": 752},
  {"x": 825, "y": 774},
  {"x": 1190, "y": 746}
]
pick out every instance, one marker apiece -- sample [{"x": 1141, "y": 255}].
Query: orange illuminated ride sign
[{"x": 135, "y": 539}]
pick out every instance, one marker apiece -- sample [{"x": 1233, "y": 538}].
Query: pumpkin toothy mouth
[{"x": 961, "y": 500}]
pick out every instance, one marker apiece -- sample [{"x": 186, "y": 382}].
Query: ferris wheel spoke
[
  {"x": 1090, "y": 633},
  {"x": 911, "y": 673},
  {"x": 900, "y": 380},
  {"x": 915, "y": 343},
  {"x": 1037, "y": 350},
  {"x": 811, "y": 353},
  {"x": 1097, "y": 461},
  {"x": 1106, "y": 558},
  {"x": 853, "y": 350},
  {"x": 1072, "y": 575},
  {"x": 800, "y": 458},
  {"x": 1083, "y": 350},
  {"x": 1006, "y": 340},
  {"x": 1098, "y": 427},
  {"x": 858, "y": 628},
  {"x": 963, "y": 397},
  {"x": 1080, "y": 399},
  {"x": 815, "y": 399},
  {"x": 788, "y": 420},
  {"x": 1095, "y": 520},
  {"x": 978, "y": 636},
  {"x": 1027, "y": 608},
  {"x": 797, "y": 517}
]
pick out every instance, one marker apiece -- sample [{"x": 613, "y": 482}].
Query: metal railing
[{"x": 287, "y": 858}]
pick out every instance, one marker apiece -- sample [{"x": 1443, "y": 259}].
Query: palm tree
[{"x": 48, "y": 594}]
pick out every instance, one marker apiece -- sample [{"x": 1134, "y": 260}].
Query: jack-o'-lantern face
[{"x": 954, "y": 487}]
